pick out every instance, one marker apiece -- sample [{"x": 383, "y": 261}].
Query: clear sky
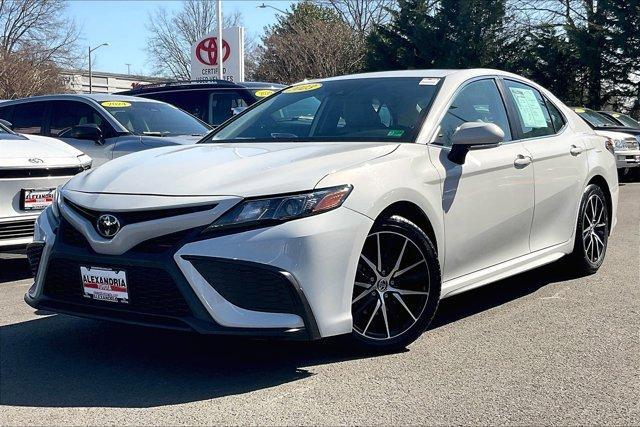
[{"x": 122, "y": 24}]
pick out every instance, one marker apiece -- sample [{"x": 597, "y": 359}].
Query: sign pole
[{"x": 220, "y": 42}]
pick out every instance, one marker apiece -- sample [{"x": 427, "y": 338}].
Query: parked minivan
[
  {"x": 103, "y": 126},
  {"x": 212, "y": 101}
]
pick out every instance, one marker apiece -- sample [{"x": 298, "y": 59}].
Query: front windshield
[
  {"x": 595, "y": 119},
  {"x": 369, "y": 109},
  {"x": 626, "y": 120},
  {"x": 154, "y": 118}
]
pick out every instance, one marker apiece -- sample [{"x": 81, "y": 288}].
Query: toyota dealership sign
[{"x": 204, "y": 56}]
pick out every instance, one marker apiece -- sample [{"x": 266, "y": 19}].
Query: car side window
[
  {"x": 556, "y": 117},
  {"x": 6, "y": 113},
  {"x": 532, "y": 114},
  {"x": 479, "y": 101},
  {"x": 67, "y": 114},
  {"x": 29, "y": 118}
]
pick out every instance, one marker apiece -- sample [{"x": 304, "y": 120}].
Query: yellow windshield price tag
[
  {"x": 303, "y": 88},
  {"x": 115, "y": 104},
  {"x": 264, "y": 93},
  {"x": 579, "y": 110}
]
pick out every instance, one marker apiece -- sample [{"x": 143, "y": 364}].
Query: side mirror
[
  {"x": 89, "y": 131},
  {"x": 472, "y": 136},
  {"x": 6, "y": 123}
]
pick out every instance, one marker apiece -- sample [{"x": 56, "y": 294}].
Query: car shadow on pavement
[
  {"x": 14, "y": 268},
  {"x": 61, "y": 361}
]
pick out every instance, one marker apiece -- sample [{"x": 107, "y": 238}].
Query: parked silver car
[{"x": 103, "y": 126}]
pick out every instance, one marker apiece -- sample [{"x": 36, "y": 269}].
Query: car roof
[
  {"x": 433, "y": 73},
  {"x": 199, "y": 84},
  {"x": 97, "y": 97}
]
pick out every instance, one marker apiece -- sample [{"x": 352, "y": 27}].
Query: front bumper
[
  {"x": 292, "y": 280},
  {"x": 627, "y": 159}
]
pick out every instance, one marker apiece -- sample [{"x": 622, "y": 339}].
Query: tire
[
  {"x": 592, "y": 236},
  {"x": 395, "y": 294}
]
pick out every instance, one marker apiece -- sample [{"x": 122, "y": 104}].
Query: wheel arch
[
  {"x": 413, "y": 213},
  {"x": 601, "y": 182}
]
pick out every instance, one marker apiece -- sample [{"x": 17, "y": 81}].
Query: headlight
[
  {"x": 85, "y": 161},
  {"x": 278, "y": 209}
]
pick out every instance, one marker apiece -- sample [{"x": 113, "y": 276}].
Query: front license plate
[
  {"x": 105, "y": 284},
  {"x": 37, "y": 199}
]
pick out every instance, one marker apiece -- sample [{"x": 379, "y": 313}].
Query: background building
[{"x": 78, "y": 81}]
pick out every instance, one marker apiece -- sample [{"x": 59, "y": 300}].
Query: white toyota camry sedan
[{"x": 348, "y": 205}]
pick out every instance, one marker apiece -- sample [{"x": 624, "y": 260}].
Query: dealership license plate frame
[
  {"x": 36, "y": 206},
  {"x": 103, "y": 289}
]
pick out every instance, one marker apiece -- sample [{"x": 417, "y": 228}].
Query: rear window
[
  {"x": 595, "y": 119},
  {"x": 211, "y": 106}
]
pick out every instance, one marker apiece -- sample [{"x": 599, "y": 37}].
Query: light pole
[
  {"x": 219, "y": 41},
  {"x": 264, "y": 6},
  {"x": 91, "y": 50}
]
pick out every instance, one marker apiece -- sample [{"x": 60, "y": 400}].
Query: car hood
[
  {"x": 244, "y": 169},
  {"x": 18, "y": 149},
  {"x": 155, "y": 141}
]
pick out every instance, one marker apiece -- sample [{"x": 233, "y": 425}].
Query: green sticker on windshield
[{"x": 395, "y": 133}]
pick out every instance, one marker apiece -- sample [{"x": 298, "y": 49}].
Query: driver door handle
[
  {"x": 575, "y": 150},
  {"x": 522, "y": 161}
]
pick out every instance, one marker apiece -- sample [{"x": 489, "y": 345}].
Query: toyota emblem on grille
[
  {"x": 36, "y": 160},
  {"x": 108, "y": 225}
]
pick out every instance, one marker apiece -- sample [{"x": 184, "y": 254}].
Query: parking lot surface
[{"x": 544, "y": 347}]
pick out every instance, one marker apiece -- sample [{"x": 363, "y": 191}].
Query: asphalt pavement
[{"x": 544, "y": 347}]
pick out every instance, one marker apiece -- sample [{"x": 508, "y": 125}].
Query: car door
[
  {"x": 67, "y": 114},
  {"x": 487, "y": 202},
  {"x": 559, "y": 164}
]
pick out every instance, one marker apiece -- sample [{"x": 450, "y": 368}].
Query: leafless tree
[
  {"x": 315, "y": 49},
  {"x": 361, "y": 15},
  {"x": 36, "y": 40},
  {"x": 173, "y": 34}
]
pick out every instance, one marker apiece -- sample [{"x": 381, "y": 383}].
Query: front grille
[
  {"x": 131, "y": 217},
  {"x": 70, "y": 236},
  {"x": 161, "y": 243},
  {"x": 151, "y": 290},
  {"x": 631, "y": 143},
  {"x": 34, "y": 254},
  {"x": 17, "y": 229},
  {"x": 40, "y": 172},
  {"x": 249, "y": 286}
]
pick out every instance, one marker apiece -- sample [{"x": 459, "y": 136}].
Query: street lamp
[
  {"x": 264, "y": 6},
  {"x": 91, "y": 50}
]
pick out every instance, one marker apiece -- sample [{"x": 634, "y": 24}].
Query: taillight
[{"x": 608, "y": 143}]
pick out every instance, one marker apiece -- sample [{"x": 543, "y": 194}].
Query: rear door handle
[
  {"x": 575, "y": 150},
  {"x": 522, "y": 161}
]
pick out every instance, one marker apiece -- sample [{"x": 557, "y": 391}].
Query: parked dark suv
[{"x": 212, "y": 101}]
